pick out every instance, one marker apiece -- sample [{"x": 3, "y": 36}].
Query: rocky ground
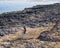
[
  {"x": 35, "y": 27},
  {"x": 30, "y": 43}
]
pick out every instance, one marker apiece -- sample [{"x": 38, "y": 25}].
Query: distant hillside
[
  {"x": 35, "y": 27},
  {"x": 34, "y": 17}
]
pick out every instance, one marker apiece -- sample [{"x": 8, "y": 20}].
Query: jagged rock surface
[{"x": 39, "y": 22}]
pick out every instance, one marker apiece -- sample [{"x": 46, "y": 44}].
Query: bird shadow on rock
[{"x": 44, "y": 36}]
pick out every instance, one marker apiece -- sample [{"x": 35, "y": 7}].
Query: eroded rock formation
[{"x": 36, "y": 22}]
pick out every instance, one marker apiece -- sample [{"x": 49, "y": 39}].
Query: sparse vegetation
[{"x": 36, "y": 27}]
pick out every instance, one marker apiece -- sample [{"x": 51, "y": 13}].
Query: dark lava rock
[{"x": 34, "y": 17}]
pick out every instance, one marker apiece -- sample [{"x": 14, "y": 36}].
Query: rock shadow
[{"x": 46, "y": 36}]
